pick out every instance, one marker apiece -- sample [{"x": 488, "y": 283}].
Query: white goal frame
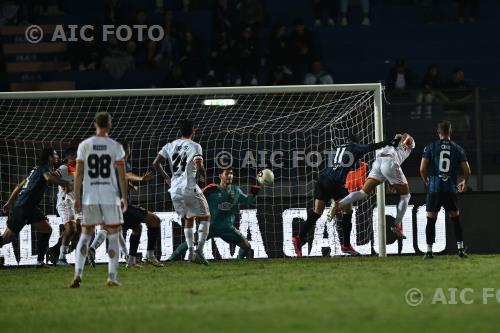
[{"x": 377, "y": 114}]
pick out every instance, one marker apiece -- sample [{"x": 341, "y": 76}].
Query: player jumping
[
  {"x": 223, "y": 201},
  {"x": 186, "y": 162},
  {"x": 25, "y": 199},
  {"x": 439, "y": 170},
  {"x": 387, "y": 167},
  {"x": 98, "y": 156},
  {"x": 331, "y": 184}
]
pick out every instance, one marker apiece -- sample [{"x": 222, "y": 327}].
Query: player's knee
[
  {"x": 137, "y": 230},
  {"x": 111, "y": 253},
  {"x": 152, "y": 220}
]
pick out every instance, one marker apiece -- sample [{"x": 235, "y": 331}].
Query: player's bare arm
[
  {"x": 120, "y": 166},
  {"x": 158, "y": 165},
  {"x": 147, "y": 176},
  {"x": 201, "y": 172},
  {"x": 462, "y": 186},
  {"x": 13, "y": 196},
  {"x": 424, "y": 164},
  {"x": 78, "y": 185},
  {"x": 49, "y": 176}
]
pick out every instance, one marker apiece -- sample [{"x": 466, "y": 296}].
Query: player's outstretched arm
[
  {"x": 13, "y": 195},
  {"x": 158, "y": 165},
  {"x": 55, "y": 179},
  {"x": 138, "y": 179},
  {"x": 374, "y": 146},
  {"x": 424, "y": 164},
  {"x": 462, "y": 186}
]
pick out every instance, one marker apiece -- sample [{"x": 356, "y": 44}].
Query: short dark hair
[
  {"x": 221, "y": 170},
  {"x": 444, "y": 127},
  {"x": 102, "y": 119},
  {"x": 70, "y": 150},
  {"x": 45, "y": 154},
  {"x": 353, "y": 138},
  {"x": 187, "y": 127}
]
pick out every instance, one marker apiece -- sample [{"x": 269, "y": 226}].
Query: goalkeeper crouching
[{"x": 223, "y": 201}]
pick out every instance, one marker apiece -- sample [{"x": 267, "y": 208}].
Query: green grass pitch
[{"x": 282, "y": 295}]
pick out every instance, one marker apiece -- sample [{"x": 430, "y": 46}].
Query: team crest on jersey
[{"x": 225, "y": 206}]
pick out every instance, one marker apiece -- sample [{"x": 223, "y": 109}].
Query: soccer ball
[{"x": 265, "y": 177}]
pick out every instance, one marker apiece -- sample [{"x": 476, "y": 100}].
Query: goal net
[{"x": 290, "y": 130}]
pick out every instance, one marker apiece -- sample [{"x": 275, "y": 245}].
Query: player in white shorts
[
  {"x": 65, "y": 204},
  {"x": 186, "y": 165},
  {"x": 98, "y": 156},
  {"x": 387, "y": 167}
]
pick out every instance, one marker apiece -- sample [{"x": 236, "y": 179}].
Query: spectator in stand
[
  {"x": 400, "y": 78},
  {"x": 224, "y": 13},
  {"x": 246, "y": 57},
  {"x": 190, "y": 58},
  {"x": 429, "y": 94},
  {"x": 324, "y": 12},
  {"x": 117, "y": 61},
  {"x": 116, "y": 12},
  {"x": 220, "y": 62},
  {"x": 301, "y": 50},
  {"x": 141, "y": 41},
  {"x": 344, "y": 7},
  {"x": 458, "y": 94},
  {"x": 86, "y": 56},
  {"x": 318, "y": 75},
  {"x": 279, "y": 48},
  {"x": 165, "y": 53},
  {"x": 175, "y": 78},
  {"x": 250, "y": 14},
  {"x": 473, "y": 6},
  {"x": 281, "y": 76}
]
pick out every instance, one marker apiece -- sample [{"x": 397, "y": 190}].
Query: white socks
[
  {"x": 62, "y": 251},
  {"x": 460, "y": 245},
  {"x": 203, "y": 229},
  {"x": 81, "y": 253},
  {"x": 123, "y": 244},
  {"x": 402, "y": 206},
  {"x": 114, "y": 255},
  {"x": 353, "y": 197},
  {"x": 189, "y": 235},
  {"x": 99, "y": 239}
]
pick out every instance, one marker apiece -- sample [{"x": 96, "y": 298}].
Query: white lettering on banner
[{"x": 249, "y": 226}]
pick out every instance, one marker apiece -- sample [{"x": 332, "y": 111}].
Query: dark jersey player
[
  {"x": 439, "y": 168},
  {"x": 24, "y": 200},
  {"x": 331, "y": 185}
]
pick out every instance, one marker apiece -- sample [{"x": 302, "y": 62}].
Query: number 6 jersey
[
  {"x": 99, "y": 156},
  {"x": 182, "y": 154}
]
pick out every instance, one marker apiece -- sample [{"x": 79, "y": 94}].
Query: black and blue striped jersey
[
  {"x": 344, "y": 159},
  {"x": 445, "y": 158}
]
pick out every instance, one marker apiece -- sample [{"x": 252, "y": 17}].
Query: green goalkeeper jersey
[{"x": 223, "y": 204}]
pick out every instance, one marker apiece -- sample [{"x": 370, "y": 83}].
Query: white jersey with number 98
[
  {"x": 100, "y": 155},
  {"x": 182, "y": 156}
]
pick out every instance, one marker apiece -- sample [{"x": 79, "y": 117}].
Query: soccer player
[
  {"x": 439, "y": 168},
  {"x": 23, "y": 203},
  {"x": 65, "y": 204},
  {"x": 223, "y": 201},
  {"x": 387, "y": 167},
  {"x": 97, "y": 158},
  {"x": 186, "y": 162},
  {"x": 331, "y": 185},
  {"x": 133, "y": 217}
]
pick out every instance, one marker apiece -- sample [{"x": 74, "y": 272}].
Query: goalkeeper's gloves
[{"x": 254, "y": 190}]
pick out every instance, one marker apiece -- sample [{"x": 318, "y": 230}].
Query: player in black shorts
[
  {"x": 24, "y": 200},
  {"x": 331, "y": 185},
  {"x": 135, "y": 215},
  {"x": 439, "y": 168}
]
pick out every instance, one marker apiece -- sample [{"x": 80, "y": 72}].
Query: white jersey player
[
  {"x": 186, "y": 166},
  {"x": 387, "y": 167},
  {"x": 98, "y": 156},
  {"x": 66, "y": 202}
]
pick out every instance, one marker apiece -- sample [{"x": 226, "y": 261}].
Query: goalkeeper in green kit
[{"x": 223, "y": 201}]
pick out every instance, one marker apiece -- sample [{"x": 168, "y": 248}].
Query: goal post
[{"x": 285, "y": 128}]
